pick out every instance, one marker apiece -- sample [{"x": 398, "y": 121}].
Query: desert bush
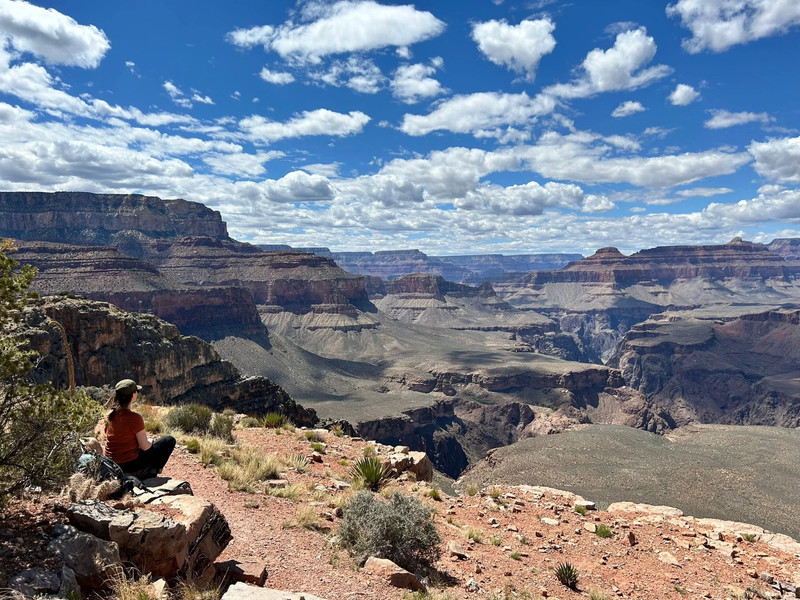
[
  {"x": 305, "y": 517},
  {"x": 476, "y": 535},
  {"x": 597, "y": 595},
  {"x": 319, "y": 447},
  {"x": 435, "y": 494},
  {"x": 41, "y": 427},
  {"x": 370, "y": 471},
  {"x": 604, "y": 531},
  {"x": 298, "y": 462},
  {"x": 193, "y": 446},
  {"x": 222, "y": 427},
  {"x": 290, "y": 492},
  {"x": 567, "y": 574},
  {"x": 212, "y": 450},
  {"x": 400, "y": 529},
  {"x": 248, "y": 422},
  {"x": 190, "y": 418},
  {"x": 581, "y": 510},
  {"x": 472, "y": 489},
  {"x": 273, "y": 420}
]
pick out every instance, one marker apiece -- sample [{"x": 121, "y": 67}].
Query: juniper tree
[{"x": 39, "y": 426}]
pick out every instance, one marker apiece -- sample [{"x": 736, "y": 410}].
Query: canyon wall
[{"x": 108, "y": 344}]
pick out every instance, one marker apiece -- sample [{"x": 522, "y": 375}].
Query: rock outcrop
[
  {"x": 125, "y": 221},
  {"x": 108, "y": 344},
  {"x": 711, "y": 367}
]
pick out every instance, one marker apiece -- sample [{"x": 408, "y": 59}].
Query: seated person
[{"x": 126, "y": 439}]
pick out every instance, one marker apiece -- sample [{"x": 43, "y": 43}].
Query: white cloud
[
  {"x": 721, "y": 119},
  {"x": 177, "y": 95},
  {"x": 717, "y": 25},
  {"x": 518, "y": 47},
  {"x": 299, "y": 186},
  {"x": 683, "y": 94},
  {"x": 621, "y": 67},
  {"x": 316, "y": 122},
  {"x": 703, "y": 192},
  {"x": 276, "y": 77},
  {"x": 778, "y": 159},
  {"x": 578, "y": 157},
  {"x": 532, "y": 199},
  {"x": 357, "y": 73},
  {"x": 240, "y": 164},
  {"x": 479, "y": 112},
  {"x": 196, "y": 97},
  {"x": 348, "y": 26},
  {"x": 53, "y": 36},
  {"x": 627, "y": 109},
  {"x": 413, "y": 83},
  {"x": 254, "y": 36}
]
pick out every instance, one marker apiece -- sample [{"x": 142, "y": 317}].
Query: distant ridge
[{"x": 467, "y": 268}]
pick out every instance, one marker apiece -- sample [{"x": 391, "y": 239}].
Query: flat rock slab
[
  {"x": 248, "y": 571},
  {"x": 242, "y": 591},
  {"x": 164, "y": 486}
]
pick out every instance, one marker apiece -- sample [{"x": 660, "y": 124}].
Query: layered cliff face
[
  {"x": 108, "y": 344},
  {"x": 293, "y": 281},
  {"x": 103, "y": 219},
  {"x": 712, "y": 367},
  {"x": 132, "y": 284},
  {"x": 602, "y": 296}
]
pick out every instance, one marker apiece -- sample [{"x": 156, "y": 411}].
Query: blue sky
[{"x": 453, "y": 127}]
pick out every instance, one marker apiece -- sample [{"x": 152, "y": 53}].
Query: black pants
[{"x": 150, "y": 462}]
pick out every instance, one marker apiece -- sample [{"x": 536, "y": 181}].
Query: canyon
[{"x": 663, "y": 338}]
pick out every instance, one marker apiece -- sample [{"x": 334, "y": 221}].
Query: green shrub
[
  {"x": 318, "y": 447},
  {"x": 273, "y": 420},
  {"x": 400, "y": 529},
  {"x": 193, "y": 446},
  {"x": 567, "y": 574},
  {"x": 435, "y": 494},
  {"x": 476, "y": 535},
  {"x": 749, "y": 537},
  {"x": 190, "y": 418},
  {"x": 248, "y": 422},
  {"x": 604, "y": 531},
  {"x": 472, "y": 489},
  {"x": 40, "y": 427},
  {"x": 222, "y": 427},
  {"x": 516, "y": 555},
  {"x": 581, "y": 510},
  {"x": 370, "y": 471}
]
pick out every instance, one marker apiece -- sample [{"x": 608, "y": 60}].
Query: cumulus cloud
[
  {"x": 51, "y": 35},
  {"x": 357, "y": 73},
  {"x": 413, "y": 83},
  {"x": 579, "y": 157},
  {"x": 316, "y": 122},
  {"x": 627, "y": 109},
  {"x": 721, "y": 119},
  {"x": 479, "y": 112},
  {"x": 621, "y": 67},
  {"x": 518, "y": 47},
  {"x": 683, "y": 94},
  {"x": 196, "y": 97},
  {"x": 716, "y": 25},
  {"x": 345, "y": 26},
  {"x": 532, "y": 199},
  {"x": 778, "y": 159},
  {"x": 299, "y": 186},
  {"x": 239, "y": 164},
  {"x": 276, "y": 77}
]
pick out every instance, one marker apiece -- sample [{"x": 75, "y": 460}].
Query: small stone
[
  {"x": 316, "y": 457},
  {"x": 587, "y": 504},
  {"x": 668, "y": 558},
  {"x": 512, "y": 528},
  {"x": 590, "y": 527},
  {"x": 472, "y": 586},
  {"x": 543, "y": 592},
  {"x": 456, "y": 550},
  {"x": 631, "y": 538},
  {"x": 549, "y": 521},
  {"x": 767, "y": 577}
]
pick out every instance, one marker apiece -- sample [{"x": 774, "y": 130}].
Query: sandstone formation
[
  {"x": 712, "y": 367},
  {"x": 602, "y": 296},
  {"x": 107, "y": 344}
]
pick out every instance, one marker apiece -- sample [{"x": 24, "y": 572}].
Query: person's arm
[{"x": 141, "y": 437}]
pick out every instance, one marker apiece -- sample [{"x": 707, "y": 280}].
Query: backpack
[{"x": 101, "y": 468}]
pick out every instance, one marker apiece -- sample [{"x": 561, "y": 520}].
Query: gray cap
[{"x": 127, "y": 385}]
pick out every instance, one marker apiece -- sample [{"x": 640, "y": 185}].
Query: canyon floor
[{"x": 518, "y": 535}]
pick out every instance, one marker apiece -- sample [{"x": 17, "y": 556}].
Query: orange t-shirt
[{"x": 121, "y": 443}]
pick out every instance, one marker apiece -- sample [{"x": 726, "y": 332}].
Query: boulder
[
  {"x": 422, "y": 466},
  {"x": 393, "y": 574},
  {"x": 248, "y": 571},
  {"x": 242, "y": 591},
  {"x": 34, "y": 582},
  {"x": 207, "y": 532},
  {"x": 152, "y": 542},
  {"x": 93, "y": 561}
]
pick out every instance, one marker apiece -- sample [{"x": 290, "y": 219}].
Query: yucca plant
[
  {"x": 371, "y": 471},
  {"x": 567, "y": 575},
  {"x": 273, "y": 420}
]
